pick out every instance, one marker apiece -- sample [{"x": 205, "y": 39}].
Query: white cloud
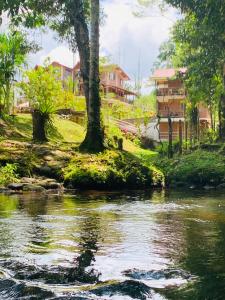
[
  {"x": 62, "y": 55},
  {"x": 132, "y": 42}
]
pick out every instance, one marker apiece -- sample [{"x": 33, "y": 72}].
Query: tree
[
  {"x": 208, "y": 37},
  {"x": 43, "y": 89},
  {"x": 94, "y": 139},
  {"x": 203, "y": 78},
  {"x": 14, "y": 48},
  {"x": 70, "y": 19},
  {"x": 198, "y": 42}
]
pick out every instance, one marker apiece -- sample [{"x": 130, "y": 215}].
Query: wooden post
[
  {"x": 170, "y": 133},
  {"x": 186, "y": 134},
  {"x": 120, "y": 144},
  {"x": 180, "y": 137}
]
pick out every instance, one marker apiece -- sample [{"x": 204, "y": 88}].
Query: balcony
[
  {"x": 164, "y": 95},
  {"x": 173, "y": 114}
]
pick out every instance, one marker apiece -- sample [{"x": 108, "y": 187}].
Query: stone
[
  {"x": 48, "y": 185},
  {"x": 14, "y": 192},
  {"x": 28, "y": 180},
  {"x": 33, "y": 188},
  {"x": 16, "y": 186},
  {"x": 48, "y": 158},
  {"x": 45, "y": 171},
  {"x": 3, "y": 190}
]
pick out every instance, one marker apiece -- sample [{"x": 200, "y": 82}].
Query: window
[
  {"x": 67, "y": 73},
  {"x": 112, "y": 76}
]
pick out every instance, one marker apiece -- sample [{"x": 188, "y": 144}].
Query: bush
[
  {"x": 198, "y": 168},
  {"x": 8, "y": 174},
  {"x": 109, "y": 170}
]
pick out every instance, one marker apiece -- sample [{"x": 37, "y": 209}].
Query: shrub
[
  {"x": 8, "y": 174},
  {"x": 198, "y": 168}
]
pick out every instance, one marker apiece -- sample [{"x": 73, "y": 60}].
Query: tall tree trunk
[
  {"x": 219, "y": 119},
  {"x": 94, "y": 140},
  {"x": 211, "y": 116},
  {"x": 222, "y": 109},
  {"x": 39, "y": 126},
  {"x": 180, "y": 137},
  {"x": 82, "y": 41},
  {"x": 194, "y": 121},
  {"x": 170, "y": 134}
]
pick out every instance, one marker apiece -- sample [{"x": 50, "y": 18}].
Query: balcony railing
[
  {"x": 170, "y": 92},
  {"x": 166, "y": 114},
  {"x": 164, "y": 135}
]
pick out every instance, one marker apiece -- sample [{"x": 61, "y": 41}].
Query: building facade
[
  {"x": 112, "y": 80},
  {"x": 171, "y": 96}
]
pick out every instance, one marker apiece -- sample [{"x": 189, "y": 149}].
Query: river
[{"x": 124, "y": 245}]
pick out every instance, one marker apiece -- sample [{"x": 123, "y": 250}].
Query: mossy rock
[
  {"x": 33, "y": 188},
  {"x": 110, "y": 170}
]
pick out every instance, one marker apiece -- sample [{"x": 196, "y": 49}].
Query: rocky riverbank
[
  {"x": 34, "y": 185},
  {"x": 40, "y": 168}
]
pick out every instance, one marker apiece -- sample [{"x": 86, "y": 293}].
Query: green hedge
[{"x": 198, "y": 168}]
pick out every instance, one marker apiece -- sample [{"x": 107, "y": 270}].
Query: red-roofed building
[
  {"x": 171, "y": 96},
  {"x": 112, "y": 77}
]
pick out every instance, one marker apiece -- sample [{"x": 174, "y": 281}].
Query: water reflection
[{"x": 167, "y": 244}]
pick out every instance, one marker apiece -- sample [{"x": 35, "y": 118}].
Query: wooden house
[{"x": 171, "y": 96}]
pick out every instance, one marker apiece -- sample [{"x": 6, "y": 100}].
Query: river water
[{"x": 137, "y": 245}]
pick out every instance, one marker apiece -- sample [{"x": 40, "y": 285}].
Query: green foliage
[
  {"x": 197, "y": 42},
  {"x": 146, "y": 104},
  {"x": 142, "y": 107},
  {"x": 79, "y": 103},
  {"x": 43, "y": 89},
  {"x": 199, "y": 168},
  {"x": 119, "y": 110},
  {"x": 8, "y": 174},
  {"x": 111, "y": 170},
  {"x": 13, "y": 50}
]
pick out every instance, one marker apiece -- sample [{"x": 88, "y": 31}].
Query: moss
[
  {"x": 110, "y": 170},
  {"x": 198, "y": 168}
]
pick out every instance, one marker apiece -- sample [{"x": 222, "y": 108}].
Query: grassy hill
[{"x": 61, "y": 159}]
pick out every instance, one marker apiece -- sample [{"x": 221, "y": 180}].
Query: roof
[
  {"x": 55, "y": 64},
  {"x": 167, "y": 73},
  {"x": 60, "y": 65},
  {"x": 77, "y": 67},
  {"x": 117, "y": 68},
  {"x": 109, "y": 67}
]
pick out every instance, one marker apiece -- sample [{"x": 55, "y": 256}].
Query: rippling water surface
[{"x": 139, "y": 245}]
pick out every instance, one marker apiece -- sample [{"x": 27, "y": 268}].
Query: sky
[{"x": 130, "y": 41}]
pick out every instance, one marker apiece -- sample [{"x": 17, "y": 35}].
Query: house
[
  {"x": 112, "y": 79},
  {"x": 171, "y": 96}
]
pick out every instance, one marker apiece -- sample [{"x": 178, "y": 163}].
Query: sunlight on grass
[
  {"x": 66, "y": 130},
  {"x": 70, "y": 131}
]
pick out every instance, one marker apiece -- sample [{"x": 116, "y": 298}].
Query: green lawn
[
  {"x": 65, "y": 130},
  {"x": 69, "y": 132}
]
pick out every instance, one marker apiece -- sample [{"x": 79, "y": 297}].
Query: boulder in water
[{"x": 131, "y": 288}]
